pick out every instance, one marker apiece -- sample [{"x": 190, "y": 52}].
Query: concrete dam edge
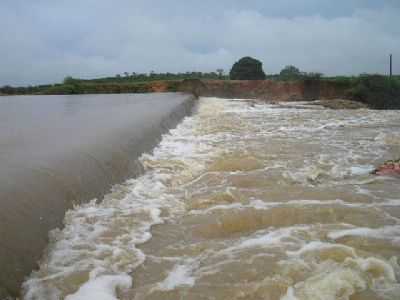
[{"x": 35, "y": 201}]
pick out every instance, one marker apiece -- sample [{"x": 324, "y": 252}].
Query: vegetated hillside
[
  {"x": 377, "y": 91},
  {"x": 128, "y": 83}
]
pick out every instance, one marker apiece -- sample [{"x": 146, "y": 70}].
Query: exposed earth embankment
[{"x": 269, "y": 90}]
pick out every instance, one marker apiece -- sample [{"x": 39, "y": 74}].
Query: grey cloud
[{"x": 43, "y": 41}]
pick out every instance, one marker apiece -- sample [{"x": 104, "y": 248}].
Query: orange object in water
[{"x": 389, "y": 168}]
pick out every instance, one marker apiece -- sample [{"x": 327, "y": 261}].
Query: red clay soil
[
  {"x": 268, "y": 90},
  {"x": 159, "y": 86}
]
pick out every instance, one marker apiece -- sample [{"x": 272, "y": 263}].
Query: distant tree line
[
  {"x": 377, "y": 91},
  {"x": 291, "y": 72},
  {"x": 126, "y": 83},
  {"x": 152, "y": 76},
  {"x": 248, "y": 68},
  {"x": 28, "y": 90}
]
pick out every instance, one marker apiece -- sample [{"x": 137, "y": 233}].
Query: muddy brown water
[
  {"x": 60, "y": 151},
  {"x": 242, "y": 201}
]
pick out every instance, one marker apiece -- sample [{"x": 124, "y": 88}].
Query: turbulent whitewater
[{"x": 241, "y": 201}]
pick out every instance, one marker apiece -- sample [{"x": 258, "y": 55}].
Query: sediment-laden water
[
  {"x": 242, "y": 201},
  {"x": 61, "y": 151}
]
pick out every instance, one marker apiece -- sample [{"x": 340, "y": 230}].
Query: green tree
[
  {"x": 220, "y": 73},
  {"x": 289, "y": 73},
  {"x": 70, "y": 80},
  {"x": 247, "y": 68},
  {"x": 7, "y": 90}
]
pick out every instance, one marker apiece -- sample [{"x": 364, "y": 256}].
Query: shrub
[{"x": 379, "y": 92}]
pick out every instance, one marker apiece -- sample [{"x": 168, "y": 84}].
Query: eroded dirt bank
[{"x": 269, "y": 90}]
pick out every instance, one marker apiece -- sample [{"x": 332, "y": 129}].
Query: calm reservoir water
[{"x": 242, "y": 201}]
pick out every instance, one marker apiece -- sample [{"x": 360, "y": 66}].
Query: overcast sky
[{"x": 42, "y": 41}]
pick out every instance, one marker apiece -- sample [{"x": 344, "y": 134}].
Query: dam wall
[
  {"x": 61, "y": 151},
  {"x": 268, "y": 90}
]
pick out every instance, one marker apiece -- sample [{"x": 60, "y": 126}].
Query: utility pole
[{"x": 391, "y": 65}]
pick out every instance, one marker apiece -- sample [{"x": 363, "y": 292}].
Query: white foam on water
[
  {"x": 180, "y": 275},
  {"x": 388, "y": 232},
  {"x": 391, "y": 202},
  {"x": 99, "y": 238},
  {"x": 361, "y": 169},
  {"x": 102, "y": 288},
  {"x": 332, "y": 281},
  {"x": 263, "y": 205},
  {"x": 316, "y": 246},
  {"x": 266, "y": 238},
  {"x": 98, "y": 244},
  {"x": 343, "y": 283},
  {"x": 256, "y": 204},
  {"x": 289, "y": 294}
]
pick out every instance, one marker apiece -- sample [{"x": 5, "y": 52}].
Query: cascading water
[
  {"x": 61, "y": 151},
  {"x": 241, "y": 201}
]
